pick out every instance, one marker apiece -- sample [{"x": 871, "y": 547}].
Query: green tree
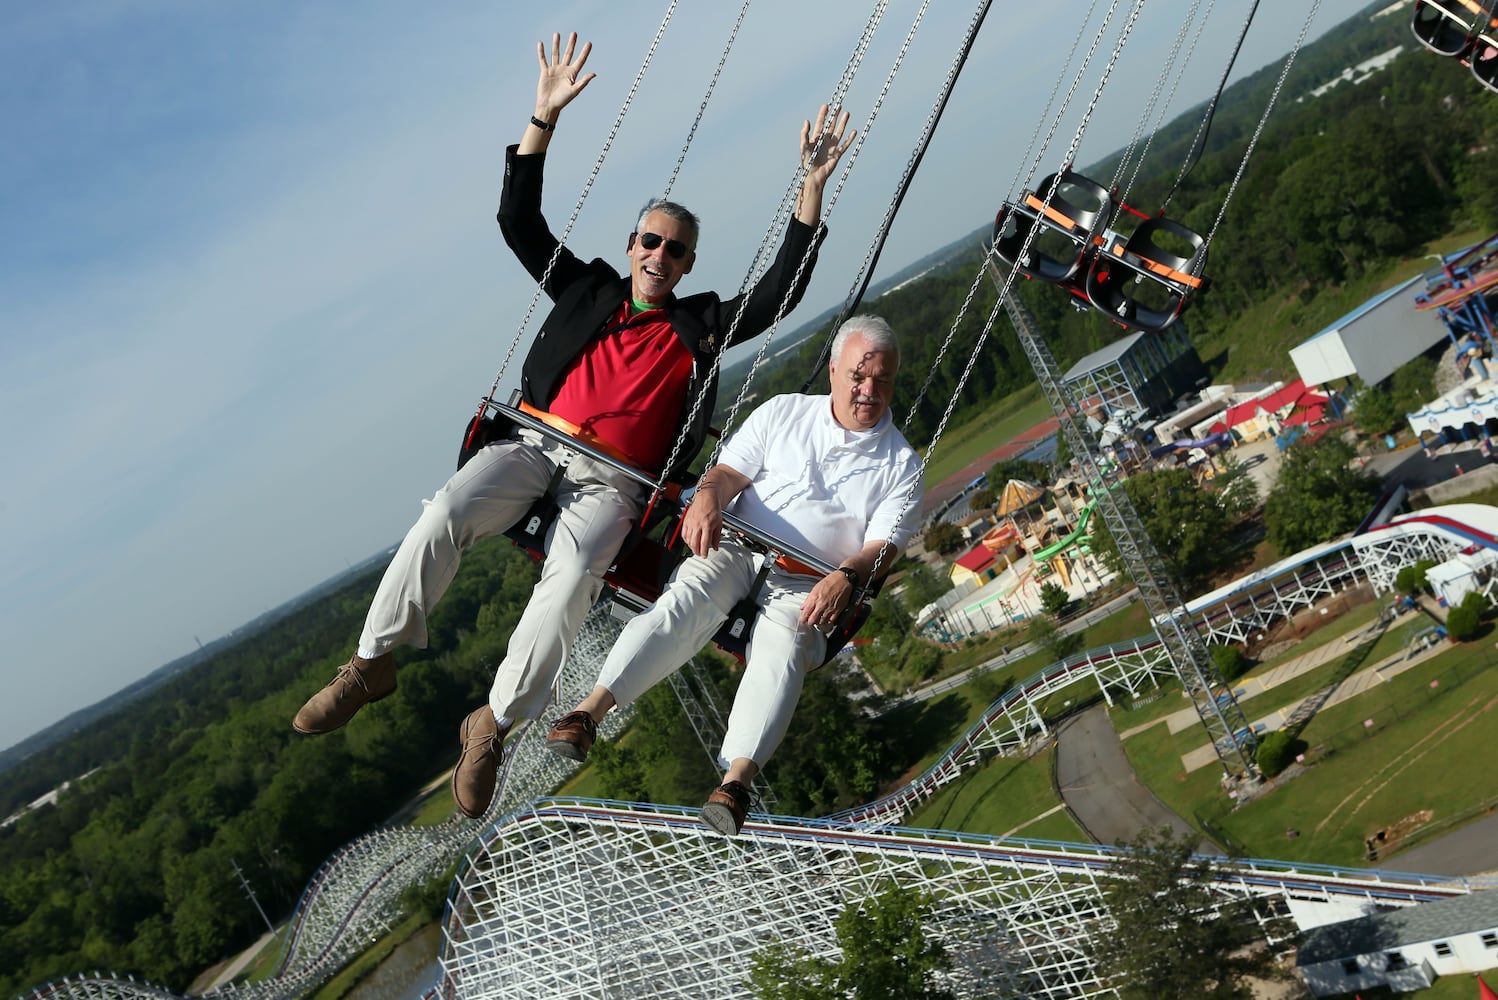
[
  {"x": 885, "y": 954},
  {"x": 1464, "y": 621},
  {"x": 1319, "y": 495},
  {"x": 1375, "y": 411},
  {"x": 1411, "y": 579},
  {"x": 943, "y": 538},
  {"x": 1276, "y": 751},
  {"x": 1026, "y": 470},
  {"x": 920, "y": 586},
  {"x": 1174, "y": 937},
  {"x": 833, "y": 755},
  {"x": 1058, "y": 645},
  {"x": 1053, "y": 598},
  {"x": 1235, "y": 487},
  {"x": 1229, "y": 660},
  {"x": 1188, "y": 525},
  {"x": 1412, "y": 384}
]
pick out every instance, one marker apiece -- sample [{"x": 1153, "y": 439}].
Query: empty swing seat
[
  {"x": 1141, "y": 283},
  {"x": 1449, "y": 27},
  {"x": 1062, "y": 235},
  {"x": 1483, "y": 58}
]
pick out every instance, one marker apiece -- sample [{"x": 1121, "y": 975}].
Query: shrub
[
  {"x": 1411, "y": 579},
  {"x": 1231, "y": 663},
  {"x": 1465, "y": 620},
  {"x": 1276, "y": 751},
  {"x": 1053, "y": 598},
  {"x": 943, "y": 538}
]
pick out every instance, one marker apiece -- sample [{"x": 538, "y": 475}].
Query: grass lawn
[
  {"x": 997, "y": 797},
  {"x": 1416, "y": 756},
  {"x": 961, "y": 445},
  {"x": 1260, "y": 339}
]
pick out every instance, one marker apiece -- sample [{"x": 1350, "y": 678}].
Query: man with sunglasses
[{"x": 618, "y": 363}]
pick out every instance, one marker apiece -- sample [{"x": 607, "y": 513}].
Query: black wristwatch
[{"x": 852, "y": 576}]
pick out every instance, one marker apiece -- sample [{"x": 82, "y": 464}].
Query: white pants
[
  {"x": 485, "y": 497},
  {"x": 656, "y": 643}
]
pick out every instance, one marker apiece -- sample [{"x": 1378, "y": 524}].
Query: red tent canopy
[{"x": 1484, "y": 991}]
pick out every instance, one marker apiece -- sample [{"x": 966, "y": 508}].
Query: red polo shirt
[{"x": 628, "y": 385}]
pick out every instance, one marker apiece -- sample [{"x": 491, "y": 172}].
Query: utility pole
[{"x": 251, "y": 893}]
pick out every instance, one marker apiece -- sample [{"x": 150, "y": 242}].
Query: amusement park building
[
  {"x": 1404, "y": 949},
  {"x": 1371, "y": 341},
  {"x": 1139, "y": 375}
]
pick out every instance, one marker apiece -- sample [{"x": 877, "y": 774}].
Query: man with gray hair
[
  {"x": 827, "y": 475},
  {"x": 618, "y": 364}
]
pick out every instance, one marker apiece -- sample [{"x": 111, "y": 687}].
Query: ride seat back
[
  {"x": 1483, "y": 58},
  {"x": 1450, "y": 27},
  {"x": 1062, "y": 235},
  {"x": 1149, "y": 278}
]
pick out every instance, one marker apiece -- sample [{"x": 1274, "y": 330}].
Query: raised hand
[
  {"x": 822, "y": 145},
  {"x": 560, "y": 81}
]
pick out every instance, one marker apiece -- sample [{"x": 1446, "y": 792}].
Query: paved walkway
[{"x": 1100, "y": 788}]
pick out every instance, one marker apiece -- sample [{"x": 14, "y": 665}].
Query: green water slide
[{"x": 1077, "y": 537}]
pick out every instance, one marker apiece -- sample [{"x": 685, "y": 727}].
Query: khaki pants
[{"x": 488, "y": 495}]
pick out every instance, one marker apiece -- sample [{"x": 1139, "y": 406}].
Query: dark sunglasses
[{"x": 676, "y": 248}]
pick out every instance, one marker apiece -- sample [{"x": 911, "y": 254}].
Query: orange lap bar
[
  {"x": 1476, "y": 8},
  {"x": 1051, "y": 213},
  {"x": 1155, "y": 267},
  {"x": 567, "y": 427}
]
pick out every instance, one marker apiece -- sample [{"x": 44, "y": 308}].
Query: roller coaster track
[{"x": 660, "y": 857}]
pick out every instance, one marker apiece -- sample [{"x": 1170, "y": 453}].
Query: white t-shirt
[{"x": 822, "y": 488}]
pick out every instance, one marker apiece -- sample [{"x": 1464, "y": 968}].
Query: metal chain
[
  {"x": 863, "y": 134},
  {"x": 1264, "y": 119},
  {"x": 1155, "y": 106},
  {"x": 1194, "y": 150},
  {"x": 1097, "y": 38},
  {"x": 1046, "y": 113},
  {"x": 760, "y": 262},
  {"x": 702, "y": 108},
  {"x": 1201, "y": 25},
  {"x": 603, "y": 153},
  {"x": 1008, "y": 285}
]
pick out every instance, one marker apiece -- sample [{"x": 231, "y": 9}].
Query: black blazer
[{"x": 586, "y": 296}]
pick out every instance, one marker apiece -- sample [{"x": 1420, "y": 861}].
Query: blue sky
[{"x": 252, "y": 286}]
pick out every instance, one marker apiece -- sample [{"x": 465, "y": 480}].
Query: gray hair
[
  {"x": 674, "y": 211},
  {"x": 875, "y": 330}
]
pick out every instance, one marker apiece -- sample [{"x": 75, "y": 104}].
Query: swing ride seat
[
  {"x": 1450, "y": 27},
  {"x": 1116, "y": 281},
  {"x": 644, "y": 563},
  {"x": 1079, "y": 211},
  {"x": 653, "y": 550},
  {"x": 1483, "y": 56}
]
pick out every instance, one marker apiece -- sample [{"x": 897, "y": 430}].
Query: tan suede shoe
[
  {"x": 477, "y": 770},
  {"x": 359, "y": 682}
]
